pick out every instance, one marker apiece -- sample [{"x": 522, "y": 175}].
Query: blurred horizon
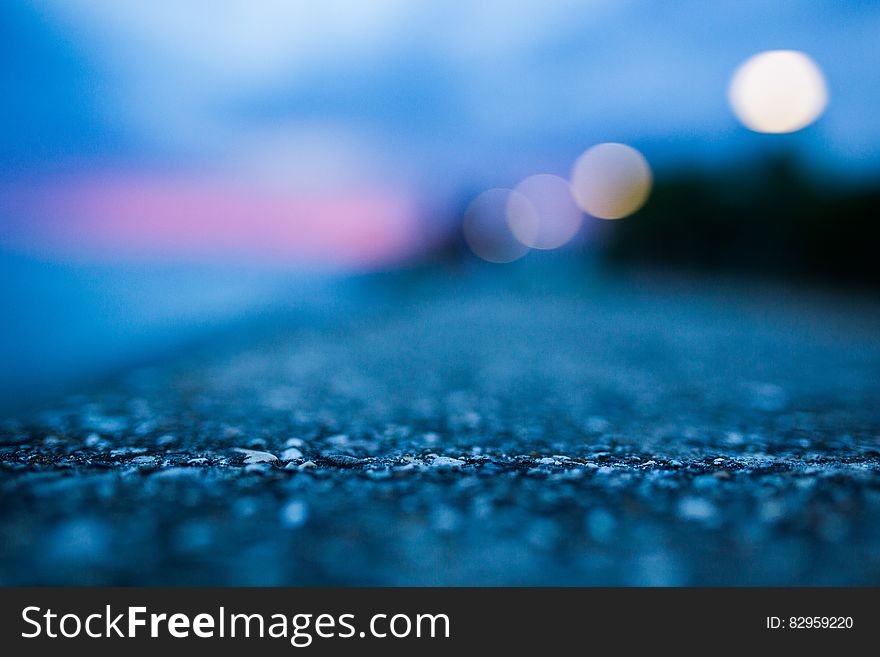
[{"x": 177, "y": 164}]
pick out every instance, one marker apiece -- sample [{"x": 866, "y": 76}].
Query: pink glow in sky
[{"x": 113, "y": 216}]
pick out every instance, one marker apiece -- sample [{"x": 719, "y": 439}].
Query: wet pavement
[{"x": 472, "y": 431}]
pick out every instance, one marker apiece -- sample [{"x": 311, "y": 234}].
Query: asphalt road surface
[{"x": 472, "y": 430}]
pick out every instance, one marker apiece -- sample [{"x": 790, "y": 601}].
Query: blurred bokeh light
[
  {"x": 778, "y": 91},
  {"x": 551, "y": 219},
  {"x": 485, "y": 226},
  {"x": 611, "y": 181}
]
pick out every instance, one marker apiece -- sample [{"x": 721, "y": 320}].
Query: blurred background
[{"x": 169, "y": 168}]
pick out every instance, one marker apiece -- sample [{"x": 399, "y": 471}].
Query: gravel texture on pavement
[{"x": 471, "y": 432}]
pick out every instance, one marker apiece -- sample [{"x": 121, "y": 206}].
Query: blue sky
[{"x": 446, "y": 94}]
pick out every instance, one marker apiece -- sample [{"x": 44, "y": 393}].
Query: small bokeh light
[
  {"x": 611, "y": 181},
  {"x": 778, "y": 91},
  {"x": 485, "y": 226},
  {"x": 550, "y": 219}
]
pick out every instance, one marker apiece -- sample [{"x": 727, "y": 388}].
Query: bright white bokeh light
[
  {"x": 485, "y": 226},
  {"x": 778, "y": 91},
  {"x": 610, "y": 181},
  {"x": 550, "y": 218}
]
